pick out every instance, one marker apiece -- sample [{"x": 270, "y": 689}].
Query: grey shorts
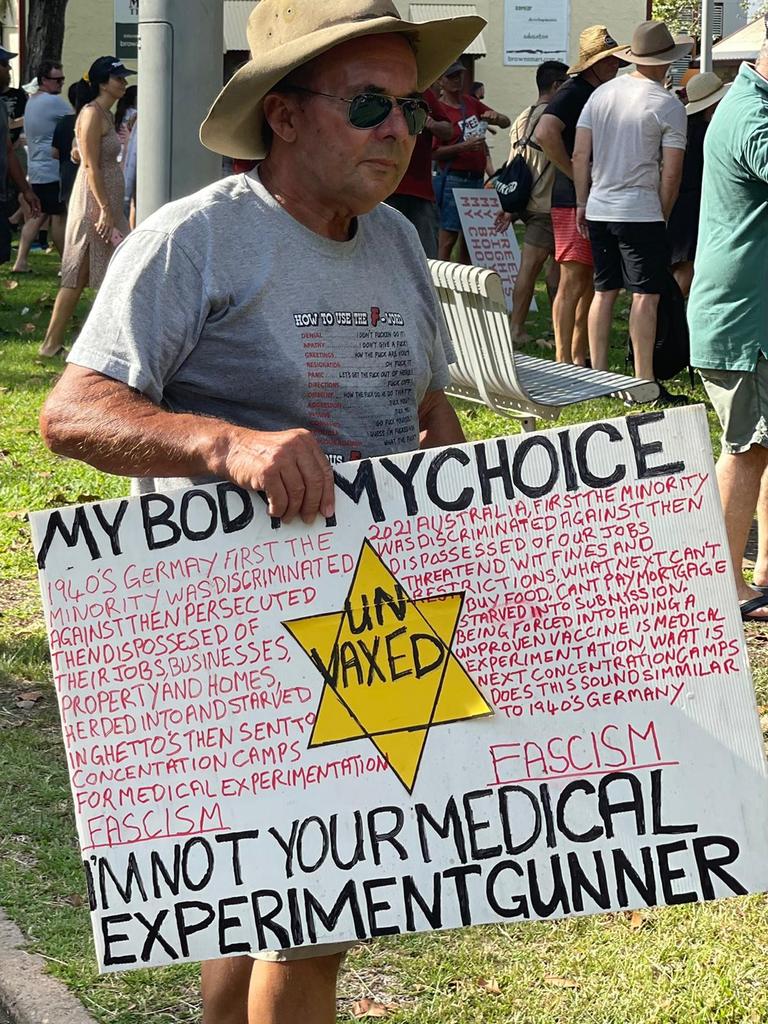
[
  {"x": 304, "y": 952},
  {"x": 539, "y": 231},
  {"x": 740, "y": 399}
]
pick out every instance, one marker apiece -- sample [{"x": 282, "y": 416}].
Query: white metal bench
[{"x": 489, "y": 371}]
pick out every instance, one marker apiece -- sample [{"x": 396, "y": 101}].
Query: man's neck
[
  {"x": 453, "y": 99},
  {"x": 651, "y": 73},
  {"x": 762, "y": 69},
  {"x": 329, "y": 222}
]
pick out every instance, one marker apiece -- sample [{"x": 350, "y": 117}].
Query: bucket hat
[
  {"x": 704, "y": 90},
  {"x": 284, "y": 34},
  {"x": 595, "y": 44},
  {"x": 652, "y": 44}
]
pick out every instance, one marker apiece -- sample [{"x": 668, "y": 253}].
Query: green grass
[{"x": 693, "y": 965}]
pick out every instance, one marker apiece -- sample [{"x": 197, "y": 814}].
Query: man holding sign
[{"x": 324, "y": 344}]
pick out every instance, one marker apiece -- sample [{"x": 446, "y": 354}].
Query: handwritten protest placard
[
  {"x": 487, "y": 247},
  {"x": 507, "y": 682}
]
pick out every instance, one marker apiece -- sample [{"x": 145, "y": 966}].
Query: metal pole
[
  {"x": 180, "y": 71},
  {"x": 707, "y": 13}
]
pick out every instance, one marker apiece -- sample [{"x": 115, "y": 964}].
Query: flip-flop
[{"x": 753, "y": 605}]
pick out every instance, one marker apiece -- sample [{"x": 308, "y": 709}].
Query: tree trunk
[{"x": 45, "y": 33}]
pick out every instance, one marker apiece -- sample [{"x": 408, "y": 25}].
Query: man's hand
[
  {"x": 502, "y": 222},
  {"x": 581, "y": 222},
  {"x": 288, "y": 465},
  {"x": 107, "y": 424},
  {"x": 30, "y": 198}
]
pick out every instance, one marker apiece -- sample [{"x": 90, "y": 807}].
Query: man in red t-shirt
[
  {"x": 462, "y": 162},
  {"x": 414, "y": 197}
]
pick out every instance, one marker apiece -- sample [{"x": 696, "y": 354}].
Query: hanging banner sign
[
  {"x": 507, "y": 682},
  {"x": 536, "y": 31}
]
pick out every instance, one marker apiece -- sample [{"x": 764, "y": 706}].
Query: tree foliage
[{"x": 683, "y": 16}]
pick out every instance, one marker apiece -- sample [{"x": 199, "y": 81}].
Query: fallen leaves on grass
[
  {"x": 10, "y": 285},
  {"x": 489, "y": 985},
  {"x": 29, "y": 328},
  {"x": 370, "y": 1008},
  {"x": 556, "y": 982},
  {"x": 636, "y": 920},
  {"x": 30, "y": 696}
]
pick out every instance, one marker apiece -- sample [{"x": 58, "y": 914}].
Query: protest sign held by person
[{"x": 323, "y": 344}]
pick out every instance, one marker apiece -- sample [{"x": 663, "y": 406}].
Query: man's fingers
[
  {"x": 277, "y": 497},
  {"x": 328, "y": 487},
  {"x": 293, "y": 482}
]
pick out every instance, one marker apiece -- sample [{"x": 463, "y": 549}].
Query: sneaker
[{"x": 667, "y": 398}]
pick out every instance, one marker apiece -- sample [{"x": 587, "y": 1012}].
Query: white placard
[
  {"x": 508, "y": 682},
  {"x": 487, "y": 247},
  {"x": 536, "y": 31}
]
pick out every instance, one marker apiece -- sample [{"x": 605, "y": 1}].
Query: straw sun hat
[
  {"x": 595, "y": 44},
  {"x": 704, "y": 90},
  {"x": 284, "y": 34}
]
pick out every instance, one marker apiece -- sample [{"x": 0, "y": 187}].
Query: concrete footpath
[{"x": 27, "y": 994}]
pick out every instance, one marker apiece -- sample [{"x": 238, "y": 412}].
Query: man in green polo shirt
[{"x": 728, "y": 315}]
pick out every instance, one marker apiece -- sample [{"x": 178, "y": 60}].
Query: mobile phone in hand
[{"x": 116, "y": 237}]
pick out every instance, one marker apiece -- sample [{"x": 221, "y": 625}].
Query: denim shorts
[{"x": 446, "y": 204}]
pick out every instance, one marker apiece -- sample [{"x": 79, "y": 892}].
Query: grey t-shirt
[
  {"x": 222, "y": 304},
  {"x": 632, "y": 119},
  {"x": 41, "y": 115}
]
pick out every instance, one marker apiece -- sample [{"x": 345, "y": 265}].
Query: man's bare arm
[
  {"x": 438, "y": 422},
  {"x": 549, "y": 135},
  {"x": 582, "y": 166},
  {"x": 110, "y": 426},
  {"x": 671, "y": 175}
]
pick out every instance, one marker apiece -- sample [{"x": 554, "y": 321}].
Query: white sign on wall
[
  {"x": 507, "y": 682},
  {"x": 536, "y": 31},
  {"x": 487, "y": 247}
]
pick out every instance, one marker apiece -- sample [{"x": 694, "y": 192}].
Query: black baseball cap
[
  {"x": 454, "y": 68},
  {"x": 104, "y": 68},
  {"x": 6, "y": 54}
]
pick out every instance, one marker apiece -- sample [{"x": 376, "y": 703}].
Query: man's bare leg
[
  {"x": 294, "y": 991},
  {"x": 760, "y": 575},
  {"x": 225, "y": 984},
  {"x": 531, "y": 261},
  {"x": 580, "y": 342},
  {"x": 683, "y": 274},
  {"x": 600, "y": 320},
  {"x": 445, "y": 243},
  {"x": 642, "y": 331},
  {"x": 27, "y": 236},
  {"x": 58, "y": 227},
  {"x": 739, "y": 479},
  {"x": 575, "y": 280},
  {"x": 553, "y": 280}
]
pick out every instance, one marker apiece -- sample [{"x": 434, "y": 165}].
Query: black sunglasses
[
  {"x": 370, "y": 109},
  {"x": 54, "y": 78}
]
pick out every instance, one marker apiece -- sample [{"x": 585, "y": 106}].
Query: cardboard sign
[
  {"x": 536, "y": 32},
  {"x": 487, "y": 247},
  {"x": 506, "y": 683}
]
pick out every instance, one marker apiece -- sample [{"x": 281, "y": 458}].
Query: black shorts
[
  {"x": 630, "y": 254},
  {"x": 49, "y": 194},
  {"x": 5, "y": 237}
]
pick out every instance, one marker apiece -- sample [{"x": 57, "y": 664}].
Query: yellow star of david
[{"x": 389, "y": 671}]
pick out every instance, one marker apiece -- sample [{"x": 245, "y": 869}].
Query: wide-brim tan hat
[
  {"x": 652, "y": 44},
  {"x": 284, "y": 34},
  {"x": 595, "y": 44},
  {"x": 703, "y": 91}
]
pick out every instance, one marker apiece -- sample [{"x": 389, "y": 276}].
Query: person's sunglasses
[
  {"x": 370, "y": 109},
  {"x": 54, "y": 78}
]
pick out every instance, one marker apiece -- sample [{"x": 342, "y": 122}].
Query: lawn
[{"x": 695, "y": 965}]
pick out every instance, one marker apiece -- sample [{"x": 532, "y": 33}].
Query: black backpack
[
  {"x": 672, "y": 351},
  {"x": 514, "y": 183}
]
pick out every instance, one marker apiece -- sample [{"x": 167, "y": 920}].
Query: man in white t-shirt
[
  {"x": 633, "y": 131},
  {"x": 43, "y": 112}
]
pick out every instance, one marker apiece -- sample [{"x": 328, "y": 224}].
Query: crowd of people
[{"x": 65, "y": 158}]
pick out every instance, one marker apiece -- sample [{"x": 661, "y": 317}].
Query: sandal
[{"x": 754, "y": 604}]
